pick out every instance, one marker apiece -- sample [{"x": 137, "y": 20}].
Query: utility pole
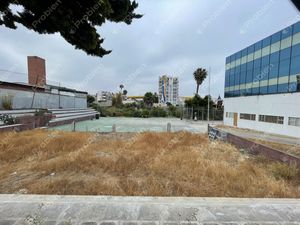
[{"x": 208, "y": 97}]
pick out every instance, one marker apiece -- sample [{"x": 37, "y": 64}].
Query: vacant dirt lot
[{"x": 156, "y": 164}]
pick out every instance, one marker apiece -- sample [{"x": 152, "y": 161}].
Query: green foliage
[
  {"x": 125, "y": 92},
  {"x": 198, "y": 102},
  {"x": 133, "y": 112},
  {"x": 7, "y": 119},
  {"x": 90, "y": 100},
  {"x": 7, "y": 102},
  {"x": 174, "y": 111},
  {"x": 117, "y": 100},
  {"x": 75, "y": 20},
  {"x": 158, "y": 112},
  {"x": 199, "y": 76},
  {"x": 40, "y": 112},
  {"x": 283, "y": 171},
  {"x": 150, "y": 98}
]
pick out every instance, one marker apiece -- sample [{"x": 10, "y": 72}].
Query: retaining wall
[{"x": 253, "y": 147}]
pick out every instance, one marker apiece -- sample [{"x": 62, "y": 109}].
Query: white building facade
[
  {"x": 262, "y": 85},
  {"x": 168, "y": 90}
]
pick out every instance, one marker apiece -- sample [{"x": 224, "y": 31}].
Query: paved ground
[
  {"x": 100, "y": 210},
  {"x": 124, "y": 124},
  {"x": 261, "y": 135}
]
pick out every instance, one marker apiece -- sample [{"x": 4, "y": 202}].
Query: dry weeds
[
  {"x": 291, "y": 149},
  {"x": 149, "y": 164}
]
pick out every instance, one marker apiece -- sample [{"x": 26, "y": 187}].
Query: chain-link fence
[{"x": 202, "y": 113}]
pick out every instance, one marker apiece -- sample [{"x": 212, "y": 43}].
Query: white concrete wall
[
  {"x": 23, "y": 100},
  {"x": 287, "y": 105}
]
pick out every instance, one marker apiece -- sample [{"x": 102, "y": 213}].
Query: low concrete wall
[
  {"x": 27, "y": 99},
  {"x": 254, "y": 148},
  {"x": 69, "y": 121}
]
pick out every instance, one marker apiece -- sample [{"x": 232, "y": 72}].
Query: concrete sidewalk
[
  {"x": 252, "y": 134},
  {"x": 106, "y": 210}
]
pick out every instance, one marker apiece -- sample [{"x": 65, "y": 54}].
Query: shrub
[
  {"x": 7, "y": 102},
  {"x": 283, "y": 171},
  {"x": 7, "y": 119},
  {"x": 145, "y": 113},
  {"x": 40, "y": 112}
]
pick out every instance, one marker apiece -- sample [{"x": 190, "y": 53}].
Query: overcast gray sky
[{"x": 174, "y": 37}]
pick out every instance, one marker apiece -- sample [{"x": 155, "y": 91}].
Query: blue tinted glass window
[
  {"x": 256, "y": 63},
  {"x": 248, "y": 91},
  {"x": 244, "y": 52},
  {"x": 238, "y": 54},
  {"x": 251, "y": 49},
  {"x": 257, "y": 45},
  {"x": 237, "y": 79},
  {"x": 296, "y": 27},
  {"x": 263, "y": 90},
  {"x": 274, "y": 57},
  {"x": 243, "y": 77},
  {"x": 232, "y": 80},
  {"x": 285, "y": 53},
  {"x": 295, "y": 65},
  {"x": 237, "y": 93},
  {"x": 293, "y": 87},
  {"x": 255, "y": 91},
  {"x": 256, "y": 74},
  {"x": 264, "y": 73},
  {"x": 274, "y": 70},
  {"x": 227, "y": 60},
  {"x": 266, "y": 42},
  {"x": 284, "y": 68},
  {"x": 287, "y": 32},
  {"x": 276, "y": 37},
  {"x": 232, "y": 58},
  {"x": 283, "y": 88},
  {"x": 226, "y": 78},
  {"x": 249, "y": 76},
  {"x": 242, "y": 92},
  {"x": 238, "y": 69},
  {"x": 244, "y": 67},
  {"x": 296, "y": 50},
  {"x": 250, "y": 65},
  {"x": 265, "y": 60},
  {"x": 272, "y": 89}
]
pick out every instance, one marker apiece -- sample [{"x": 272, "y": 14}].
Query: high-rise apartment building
[{"x": 168, "y": 90}]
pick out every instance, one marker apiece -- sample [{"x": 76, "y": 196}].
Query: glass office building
[
  {"x": 270, "y": 66},
  {"x": 262, "y": 85}
]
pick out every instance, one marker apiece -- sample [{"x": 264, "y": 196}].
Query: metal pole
[
  {"x": 208, "y": 97},
  {"x": 59, "y": 95}
]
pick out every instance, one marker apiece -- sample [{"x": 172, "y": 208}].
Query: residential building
[
  {"x": 168, "y": 90},
  {"x": 104, "y": 98},
  {"x": 262, "y": 84}
]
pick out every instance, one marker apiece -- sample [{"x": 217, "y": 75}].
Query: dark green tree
[
  {"x": 75, "y": 20},
  {"x": 199, "y": 76},
  {"x": 125, "y": 92},
  {"x": 149, "y": 99},
  {"x": 90, "y": 99}
]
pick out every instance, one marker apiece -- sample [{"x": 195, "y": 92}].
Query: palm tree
[
  {"x": 199, "y": 76},
  {"x": 121, "y": 87}
]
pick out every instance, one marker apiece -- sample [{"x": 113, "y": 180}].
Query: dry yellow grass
[
  {"x": 291, "y": 149},
  {"x": 150, "y": 164}
]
